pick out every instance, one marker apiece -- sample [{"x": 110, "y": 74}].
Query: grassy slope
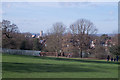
[{"x": 16, "y": 66}]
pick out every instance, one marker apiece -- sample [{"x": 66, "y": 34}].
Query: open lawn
[{"x": 19, "y": 66}]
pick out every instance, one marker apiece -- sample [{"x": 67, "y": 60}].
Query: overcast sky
[{"x": 36, "y": 16}]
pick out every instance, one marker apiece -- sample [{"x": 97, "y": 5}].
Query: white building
[
  {"x": 92, "y": 45},
  {"x": 41, "y": 33}
]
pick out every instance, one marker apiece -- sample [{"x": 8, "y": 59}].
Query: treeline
[{"x": 79, "y": 39}]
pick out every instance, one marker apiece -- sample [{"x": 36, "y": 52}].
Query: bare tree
[
  {"x": 9, "y": 29},
  {"x": 81, "y": 30},
  {"x": 54, "y": 38}
]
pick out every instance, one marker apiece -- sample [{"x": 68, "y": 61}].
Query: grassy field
[{"x": 19, "y": 66}]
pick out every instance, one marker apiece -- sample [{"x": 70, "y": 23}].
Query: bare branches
[
  {"x": 58, "y": 28},
  {"x": 54, "y": 41},
  {"x": 83, "y": 26},
  {"x": 8, "y": 29},
  {"x": 81, "y": 31}
]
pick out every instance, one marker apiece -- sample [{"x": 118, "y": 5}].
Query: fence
[
  {"x": 31, "y": 52},
  {"x": 48, "y": 54},
  {"x": 34, "y": 53},
  {"x": 21, "y": 52}
]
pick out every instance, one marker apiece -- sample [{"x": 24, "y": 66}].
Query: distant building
[
  {"x": 92, "y": 44},
  {"x": 41, "y": 33},
  {"x": 34, "y": 36},
  {"x": 38, "y": 36}
]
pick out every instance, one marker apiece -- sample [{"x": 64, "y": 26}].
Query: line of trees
[{"x": 82, "y": 33}]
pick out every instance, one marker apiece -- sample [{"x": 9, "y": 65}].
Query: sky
[{"x": 36, "y": 16}]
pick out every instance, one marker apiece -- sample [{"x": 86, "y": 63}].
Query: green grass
[{"x": 19, "y": 66}]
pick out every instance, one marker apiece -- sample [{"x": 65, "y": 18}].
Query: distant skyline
[{"x": 36, "y": 16}]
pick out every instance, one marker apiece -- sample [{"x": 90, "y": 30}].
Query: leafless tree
[
  {"x": 9, "y": 29},
  {"x": 54, "y": 38},
  {"x": 82, "y": 30}
]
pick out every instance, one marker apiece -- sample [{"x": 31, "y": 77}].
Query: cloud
[
  {"x": 8, "y": 5},
  {"x": 77, "y": 4},
  {"x": 60, "y": 0},
  {"x": 48, "y": 4},
  {"x": 111, "y": 12},
  {"x": 110, "y": 19},
  {"x": 56, "y": 4},
  {"x": 1, "y": 12},
  {"x": 72, "y": 4},
  {"x": 14, "y": 4}
]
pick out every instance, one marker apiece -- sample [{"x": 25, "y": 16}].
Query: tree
[
  {"x": 9, "y": 34},
  {"x": 9, "y": 29},
  {"x": 27, "y": 40},
  {"x": 36, "y": 44},
  {"x": 115, "y": 50},
  {"x": 23, "y": 45},
  {"x": 82, "y": 30},
  {"x": 54, "y": 37},
  {"x": 100, "y": 52},
  {"x": 13, "y": 39}
]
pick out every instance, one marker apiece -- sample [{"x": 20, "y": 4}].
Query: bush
[
  {"x": 100, "y": 52},
  {"x": 115, "y": 50}
]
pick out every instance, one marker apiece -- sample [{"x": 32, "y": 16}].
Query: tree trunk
[{"x": 81, "y": 53}]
